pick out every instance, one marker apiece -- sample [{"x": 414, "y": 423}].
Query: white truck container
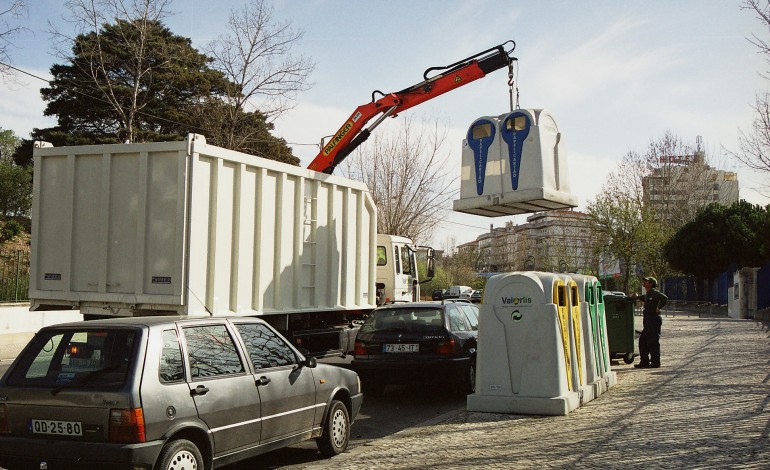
[{"x": 194, "y": 229}]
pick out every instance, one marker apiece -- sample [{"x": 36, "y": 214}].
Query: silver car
[{"x": 168, "y": 393}]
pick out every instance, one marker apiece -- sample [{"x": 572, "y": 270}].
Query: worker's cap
[{"x": 652, "y": 280}]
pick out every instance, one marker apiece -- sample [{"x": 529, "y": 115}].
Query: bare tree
[
  {"x": 10, "y": 12},
  {"x": 407, "y": 176},
  {"x": 755, "y": 143},
  {"x": 619, "y": 217},
  {"x": 677, "y": 181},
  {"x": 256, "y": 55},
  {"x": 650, "y": 196}
]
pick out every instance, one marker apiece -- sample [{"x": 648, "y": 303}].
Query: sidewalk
[{"x": 708, "y": 406}]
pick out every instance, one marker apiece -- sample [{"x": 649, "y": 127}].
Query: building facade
[
  {"x": 553, "y": 241},
  {"x": 682, "y": 185}
]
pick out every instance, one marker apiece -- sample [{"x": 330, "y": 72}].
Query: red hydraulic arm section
[{"x": 352, "y": 133}]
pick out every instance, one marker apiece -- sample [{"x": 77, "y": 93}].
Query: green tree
[
  {"x": 8, "y": 143},
  {"x": 15, "y": 190},
  {"x": 15, "y": 181},
  {"x": 133, "y": 80},
  {"x": 130, "y": 81},
  {"x": 720, "y": 236}
]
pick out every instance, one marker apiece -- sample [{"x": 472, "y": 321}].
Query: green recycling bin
[{"x": 619, "y": 313}]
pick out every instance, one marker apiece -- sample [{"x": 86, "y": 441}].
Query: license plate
[
  {"x": 401, "y": 348},
  {"x": 60, "y": 428}
]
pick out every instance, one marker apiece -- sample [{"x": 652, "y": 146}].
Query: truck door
[{"x": 405, "y": 279}]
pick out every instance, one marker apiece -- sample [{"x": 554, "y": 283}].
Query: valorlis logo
[{"x": 517, "y": 300}]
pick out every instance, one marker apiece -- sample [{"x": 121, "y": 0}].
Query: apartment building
[{"x": 554, "y": 241}]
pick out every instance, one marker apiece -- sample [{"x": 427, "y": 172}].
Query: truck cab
[{"x": 397, "y": 277}]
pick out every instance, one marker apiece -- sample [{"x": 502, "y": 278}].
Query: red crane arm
[{"x": 352, "y": 133}]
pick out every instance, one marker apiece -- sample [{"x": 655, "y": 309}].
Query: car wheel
[
  {"x": 470, "y": 379},
  {"x": 336, "y": 434},
  {"x": 180, "y": 454}
]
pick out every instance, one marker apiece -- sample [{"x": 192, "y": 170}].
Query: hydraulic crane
[{"x": 449, "y": 77}]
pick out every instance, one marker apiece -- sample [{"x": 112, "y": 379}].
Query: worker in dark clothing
[{"x": 649, "y": 341}]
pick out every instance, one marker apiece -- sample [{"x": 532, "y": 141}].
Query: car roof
[
  {"x": 148, "y": 321},
  {"x": 425, "y": 304}
]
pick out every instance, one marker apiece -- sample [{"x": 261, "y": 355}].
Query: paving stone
[{"x": 708, "y": 406}]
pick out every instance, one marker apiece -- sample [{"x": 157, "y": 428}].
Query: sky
[{"x": 616, "y": 75}]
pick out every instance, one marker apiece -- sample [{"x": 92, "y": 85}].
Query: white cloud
[{"x": 21, "y": 108}]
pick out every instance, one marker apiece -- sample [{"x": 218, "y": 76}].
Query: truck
[{"x": 190, "y": 228}]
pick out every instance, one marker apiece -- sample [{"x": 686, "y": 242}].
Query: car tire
[
  {"x": 336, "y": 434},
  {"x": 469, "y": 381},
  {"x": 180, "y": 454}
]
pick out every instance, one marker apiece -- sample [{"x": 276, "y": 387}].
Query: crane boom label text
[{"x": 336, "y": 140}]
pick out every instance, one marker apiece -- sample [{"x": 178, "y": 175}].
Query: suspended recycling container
[
  {"x": 512, "y": 164},
  {"x": 524, "y": 362}
]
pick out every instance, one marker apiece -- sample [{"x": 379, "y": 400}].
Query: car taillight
[
  {"x": 3, "y": 420},
  {"x": 359, "y": 349},
  {"x": 127, "y": 425},
  {"x": 447, "y": 347}
]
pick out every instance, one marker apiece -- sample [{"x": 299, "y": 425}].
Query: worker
[{"x": 649, "y": 340}]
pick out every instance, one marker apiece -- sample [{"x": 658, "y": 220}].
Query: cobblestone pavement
[{"x": 708, "y": 406}]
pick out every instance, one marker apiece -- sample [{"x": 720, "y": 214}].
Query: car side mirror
[
  {"x": 431, "y": 264},
  {"x": 310, "y": 362}
]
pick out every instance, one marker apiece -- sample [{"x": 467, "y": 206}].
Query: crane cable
[{"x": 510, "y": 86}]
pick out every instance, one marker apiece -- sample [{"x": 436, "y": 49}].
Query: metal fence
[{"x": 14, "y": 275}]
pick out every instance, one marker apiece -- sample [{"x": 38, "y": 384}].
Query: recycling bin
[
  {"x": 619, "y": 314},
  {"x": 525, "y": 362},
  {"x": 598, "y": 375}
]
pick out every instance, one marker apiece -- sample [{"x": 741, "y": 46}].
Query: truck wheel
[
  {"x": 336, "y": 435},
  {"x": 180, "y": 454},
  {"x": 628, "y": 358}
]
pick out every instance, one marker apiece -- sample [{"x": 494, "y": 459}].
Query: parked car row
[
  {"x": 183, "y": 392},
  {"x": 471, "y": 294}
]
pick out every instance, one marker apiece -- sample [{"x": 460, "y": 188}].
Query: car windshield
[
  {"x": 405, "y": 320},
  {"x": 76, "y": 358}
]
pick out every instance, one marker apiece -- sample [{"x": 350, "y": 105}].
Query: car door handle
[
  {"x": 199, "y": 390},
  {"x": 262, "y": 381}
]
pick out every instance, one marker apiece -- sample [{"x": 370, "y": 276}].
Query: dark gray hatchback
[{"x": 167, "y": 393}]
